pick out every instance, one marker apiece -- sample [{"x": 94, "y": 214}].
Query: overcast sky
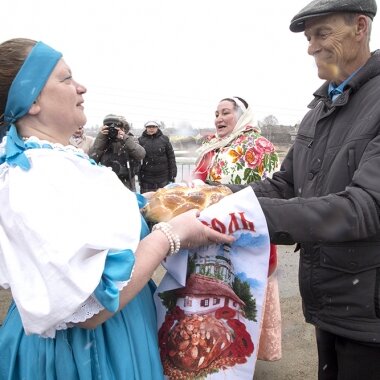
[{"x": 173, "y": 60}]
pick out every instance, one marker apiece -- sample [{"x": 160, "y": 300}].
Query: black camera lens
[{"x": 112, "y": 132}]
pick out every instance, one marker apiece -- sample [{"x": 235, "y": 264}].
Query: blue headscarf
[{"x": 24, "y": 90}]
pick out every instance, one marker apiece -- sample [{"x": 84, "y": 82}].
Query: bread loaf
[{"x": 166, "y": 203}]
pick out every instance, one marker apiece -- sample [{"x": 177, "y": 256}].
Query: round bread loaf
[
  {"x": 166, "y": 203},
  {"x": 196, "y": 341}
]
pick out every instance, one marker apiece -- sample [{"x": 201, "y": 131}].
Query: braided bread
[{"x": 167, "y": 203}]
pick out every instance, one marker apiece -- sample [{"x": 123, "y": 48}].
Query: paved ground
[
  {"x": 299, "y": 349},
  {"x": 299, "y": 361}
]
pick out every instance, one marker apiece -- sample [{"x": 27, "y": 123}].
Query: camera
[
  {"x": 112, "y": 131},
  {"x": 114, "y": 123}
]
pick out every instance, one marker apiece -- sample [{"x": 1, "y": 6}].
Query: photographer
[{"x": 116, "y": 148}]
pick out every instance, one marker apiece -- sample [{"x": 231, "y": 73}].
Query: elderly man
[{"x": 326, "y": 196}]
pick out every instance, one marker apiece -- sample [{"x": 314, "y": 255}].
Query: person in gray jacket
[
  {"x": 326, "y": 195},
  {"x": 117, "y": 148}
]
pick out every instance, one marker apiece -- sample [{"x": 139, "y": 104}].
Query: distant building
[{"x": 279, "y": 134}]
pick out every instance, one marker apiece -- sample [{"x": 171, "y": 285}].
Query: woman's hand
[
  {"x": 193, "y": 233},
  {"x": 154, "y": 248}
]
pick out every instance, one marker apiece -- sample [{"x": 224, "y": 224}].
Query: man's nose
[{"x": 313, "y": 46}]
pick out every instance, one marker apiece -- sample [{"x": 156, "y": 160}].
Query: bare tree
[
  {"x": 267, "y": 126},
  {"x": 270, "y": 120}
]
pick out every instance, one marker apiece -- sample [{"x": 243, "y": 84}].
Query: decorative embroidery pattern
[
  {"x": 35, "y": 143},
  {"x": 250, "y": 157}
]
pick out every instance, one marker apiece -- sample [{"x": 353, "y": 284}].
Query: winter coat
[
  {"x": 159, "y": 164},
  {"x": 328, "y": 198},
  {"x": 118, "y": 155}
]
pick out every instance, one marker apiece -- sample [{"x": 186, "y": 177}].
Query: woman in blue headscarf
[{"x": 79, "y": 276}]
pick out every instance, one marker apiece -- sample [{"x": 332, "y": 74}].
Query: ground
[
  {"x": 299, "y": 353},
  {"x": 299, "y": 348}
]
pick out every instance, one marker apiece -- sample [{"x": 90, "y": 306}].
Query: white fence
[{"x": 185, "y": 165}]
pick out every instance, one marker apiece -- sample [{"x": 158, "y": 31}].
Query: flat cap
[{"x": 319, "y": 8}]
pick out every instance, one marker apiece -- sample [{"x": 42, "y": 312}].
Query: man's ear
[
  {"x": 34, "y": 109},
  {"x": 361, "y": 25}
]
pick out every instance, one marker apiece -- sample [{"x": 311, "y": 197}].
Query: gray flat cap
[{"x": 319, "y": 8}]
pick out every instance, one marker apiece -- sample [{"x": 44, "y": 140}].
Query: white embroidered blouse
[{"x": 58, "y": 223}]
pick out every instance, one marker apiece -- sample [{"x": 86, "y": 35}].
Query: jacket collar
[
  {"x": 370, "y": 70},
  {"x": 157, "y": 134}
]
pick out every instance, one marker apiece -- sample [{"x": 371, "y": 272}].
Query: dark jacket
[
  {"x": 118, "y": 155},
  {"x": 330, "y": 180},
  {"x": 159, "y": 164}
]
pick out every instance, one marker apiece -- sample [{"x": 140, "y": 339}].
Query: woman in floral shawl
[{"x": 238, "y": 154}]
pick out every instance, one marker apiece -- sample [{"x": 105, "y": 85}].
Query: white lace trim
[
  {"x": 89, "y": 308},
  {"x": 86, "y": 311}
]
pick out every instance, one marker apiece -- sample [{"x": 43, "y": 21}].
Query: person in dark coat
[
  {"x": 326, "y": 196},
  {"x": 117, "y": 148},
  {"x": 159, "y": 166}
]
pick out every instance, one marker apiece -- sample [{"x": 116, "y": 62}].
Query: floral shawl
[{"x": 248, "y": 157}]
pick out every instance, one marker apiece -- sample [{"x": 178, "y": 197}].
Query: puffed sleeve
[{"x": 59, "y": 221}]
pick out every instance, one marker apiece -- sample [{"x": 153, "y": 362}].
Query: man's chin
[{"x": 328, "y": 72}]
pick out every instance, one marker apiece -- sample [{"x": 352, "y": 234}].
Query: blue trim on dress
[
  {"x": 118, "y": 267},
  {"x": 35, "y": 143}
]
